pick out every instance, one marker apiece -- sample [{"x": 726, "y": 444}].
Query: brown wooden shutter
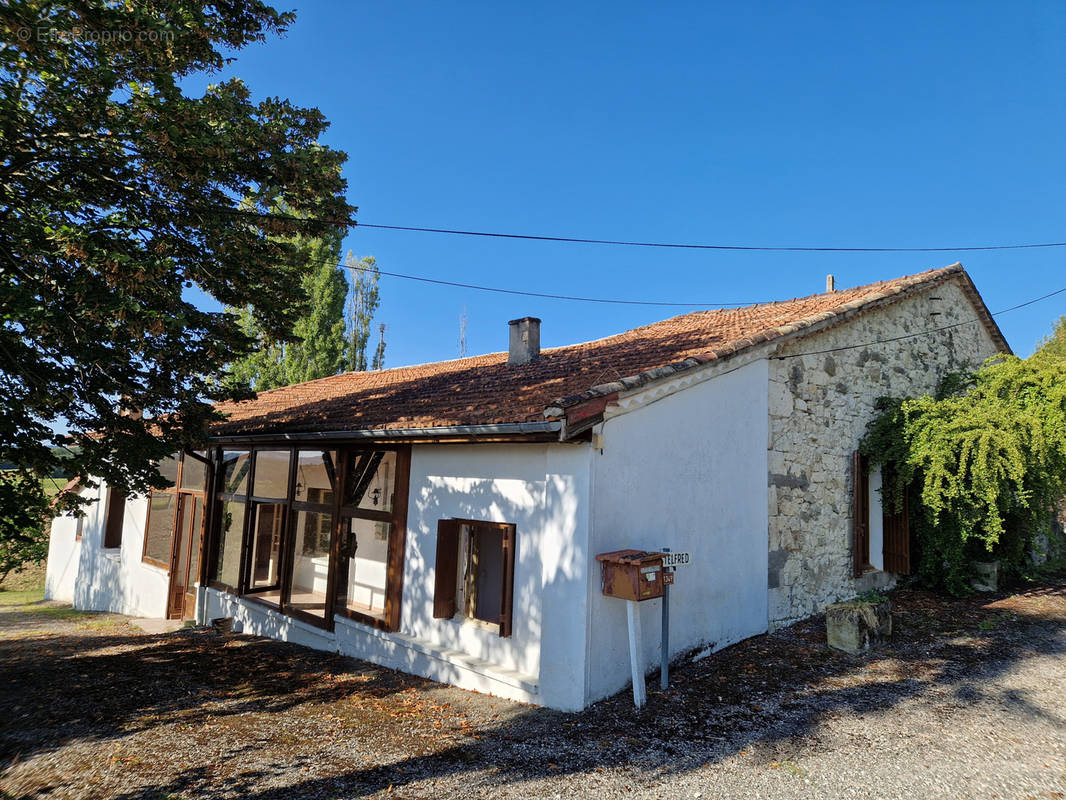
[
  {"x": 860, "y": 513},
  {"x": 897, "y": 529},
  {"x": 507, "y": 596},
  {"x": 447, "y": 568},
  {"x": 113, "y": 518}
]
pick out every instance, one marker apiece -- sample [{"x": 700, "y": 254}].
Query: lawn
[
  {"x": 969, "y": 699},
  {"x": 24, "y": 586},
  {"x": 53, "y": 485}
]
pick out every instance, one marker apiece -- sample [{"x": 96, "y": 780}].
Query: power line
[
  {"x": 523, "y": 293},
  {"x": 921, "y": 333},
  {"x": 626, "y": 243},
  {"x": 691, "y": 246},
  {"x": 617, "y": 301},
  {"x": 481, "y": 288}
]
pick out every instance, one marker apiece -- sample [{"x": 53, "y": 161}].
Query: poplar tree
[
  {"x": 318, "y": 346},
  {"x": 362, "y": 305}
]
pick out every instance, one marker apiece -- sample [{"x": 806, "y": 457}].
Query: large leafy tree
[
  {"x": 319, "y": 344},
  {"x": 121, "y": 193}
]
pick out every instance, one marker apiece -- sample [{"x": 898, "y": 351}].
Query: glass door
[
  {"x": 269, "y": 511},
  {"x": 185, "y": 559}
]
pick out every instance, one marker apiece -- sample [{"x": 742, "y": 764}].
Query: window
[
  {"x": 881, "y": 537},
  {"x": 313, "y": 501},
  {"x": 159, "y": 531},
  {"x": 186, "y": 474},
  {"x": 232, "y": 499},
  {"x": 373, "y": 522},
  {"x": 269, "y": 513},
  {"x": 314, "y": 532},
  {"x": 475, "y": 572},
  {"x": 114, "y": 516}
]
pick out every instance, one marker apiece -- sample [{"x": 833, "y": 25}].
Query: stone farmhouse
[{"x": 444, "y": 519}]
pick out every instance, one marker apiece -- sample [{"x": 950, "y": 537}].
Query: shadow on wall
[
  {"x": 549, "y": 564},
  {"x": 98, "y": 583},
  {"x": 192, "y": 679}
]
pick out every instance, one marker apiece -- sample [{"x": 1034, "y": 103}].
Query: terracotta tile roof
[{"x": 485, "y": 390}]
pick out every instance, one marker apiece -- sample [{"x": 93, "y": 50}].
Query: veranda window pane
[
  {"x": 368, "y": 565},
  {"x": 193, "y": 473},
  {"x": 168, "y": 468},
  {"x": 371, "y": 480},
  {"x": 267, "y": 524},
  {"x": 316, "y": 476},
  {"x": 197, "y": 518},
  {"x": 235, "y": 466},
  {"x": 272, "y": 473},
  {"x": 311, "y": 564},
  {"x": 231, "y": 529},
  {"x": 160, "y": 532}
]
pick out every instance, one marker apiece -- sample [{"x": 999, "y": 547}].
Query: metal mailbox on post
[{"x": 633, "y": 574}]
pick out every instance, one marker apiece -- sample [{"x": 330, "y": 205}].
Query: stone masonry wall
[{"x": 819, "y": 408}]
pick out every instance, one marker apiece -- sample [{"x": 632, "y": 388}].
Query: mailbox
[{"x": 632, "y": 574}]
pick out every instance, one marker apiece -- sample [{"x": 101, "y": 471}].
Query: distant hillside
[{"x": 59, "y": 472}]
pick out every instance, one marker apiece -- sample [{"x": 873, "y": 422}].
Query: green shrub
[{"x": 984, "y": 463}]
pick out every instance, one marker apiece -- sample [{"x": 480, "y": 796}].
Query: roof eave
[{"x": 548, "y": 429}]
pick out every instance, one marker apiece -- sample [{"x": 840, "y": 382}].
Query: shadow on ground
[{"x": 388, "y": 729}]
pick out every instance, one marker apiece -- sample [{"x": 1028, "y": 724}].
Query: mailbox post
[
  {"x": 664, "y": 646},
  {"x": 633, "y": 576}
]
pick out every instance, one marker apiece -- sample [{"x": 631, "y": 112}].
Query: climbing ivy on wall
[{"x": 984, "y": 462}]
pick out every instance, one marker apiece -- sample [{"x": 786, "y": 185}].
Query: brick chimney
[{"x": 524, "y": 345}]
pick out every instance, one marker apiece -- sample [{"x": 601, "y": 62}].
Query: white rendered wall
[
  {"x": 64, "y": 553},
  {"x": 687, "y": 472},
  {"x": 99, "y": 579},
  {"x": 543, "y": 490}
]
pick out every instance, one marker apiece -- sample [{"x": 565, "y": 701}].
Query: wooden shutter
[
  {"x": 447, "y": 568},
  {"x": 897, "y": 529},
  {"x": 507, "y": 596},
  {"x": 113, "y": 519},
  {"x": 860, "y": 514}
]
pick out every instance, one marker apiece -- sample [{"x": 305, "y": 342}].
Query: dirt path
[{"x": 968, "y": 701}]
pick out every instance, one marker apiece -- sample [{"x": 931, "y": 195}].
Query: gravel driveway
[{"x": 968, "y": 701}]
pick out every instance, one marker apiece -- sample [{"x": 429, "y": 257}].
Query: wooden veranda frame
[{"x": 397, "y": 519}]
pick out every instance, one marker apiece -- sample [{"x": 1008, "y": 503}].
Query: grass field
[
  {"x": 24, "y": 586},
  {"x": 53, "y": 485},
  {"x": 27, "y": 584},
  {"x": 20, "y": 597}
]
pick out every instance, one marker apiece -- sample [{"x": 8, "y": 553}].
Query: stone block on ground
[{"x": 857, "y": 626}]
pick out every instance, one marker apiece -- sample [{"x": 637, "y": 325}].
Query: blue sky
[{"x": 849, "y": 125}]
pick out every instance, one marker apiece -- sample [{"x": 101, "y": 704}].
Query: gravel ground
[{"x": 968, "y": 701}]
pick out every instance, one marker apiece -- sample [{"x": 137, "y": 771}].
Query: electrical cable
[
  {"x": 731, "y": 247},
  {"x": 634, "y": 243},
  {"x": 921, "y": 333}
]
